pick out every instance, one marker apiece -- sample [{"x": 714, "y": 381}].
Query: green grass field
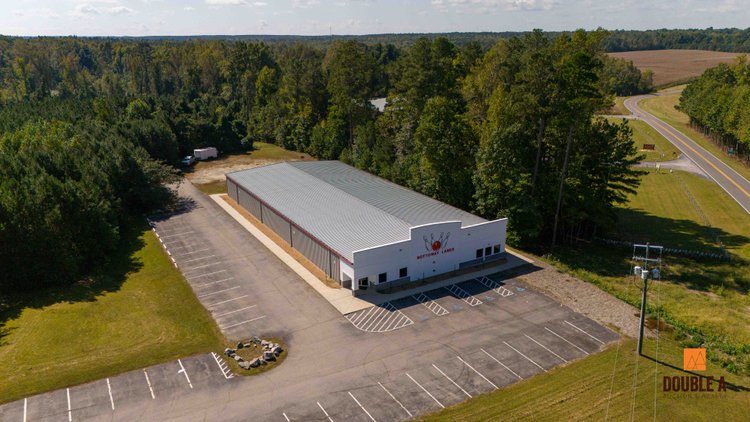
[
  {"x": 601, "y": 387},
  {"x": 618, "y": 109},
  {"x": 645, "y": 134},
  {"x": 711, "y": 295},
  {"x": 663, "y": 108},
  {"x": 139, "y": 312}
]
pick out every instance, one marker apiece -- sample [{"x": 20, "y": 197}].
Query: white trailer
[{"x": 205, "y": 153}]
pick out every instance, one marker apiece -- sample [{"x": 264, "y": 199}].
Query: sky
[{"x": 321, "y": 17}]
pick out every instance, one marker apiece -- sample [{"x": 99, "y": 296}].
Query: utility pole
[{"x": 645, "y": 273}]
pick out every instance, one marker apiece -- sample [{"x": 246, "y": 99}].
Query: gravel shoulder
[{"x": 584, "y": 298}]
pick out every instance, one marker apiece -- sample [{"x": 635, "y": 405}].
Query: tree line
[
  {"x": 508, "y": 131},
  {"x": 718, "y": 103}
]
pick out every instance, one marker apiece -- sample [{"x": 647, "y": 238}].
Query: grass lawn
[
  {"x": 618, "y": 109},
  {"x": 645, "y": 134},
  {"x": 212, "y": 188},
  {"x": 581, "y": 391},
  {"x": 139, "y": 312},
  {"x": 663, "y": 108},
  {"x": 710, "y": 295}
]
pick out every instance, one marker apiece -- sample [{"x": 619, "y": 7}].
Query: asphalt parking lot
[{"x": 404, "y": 359}]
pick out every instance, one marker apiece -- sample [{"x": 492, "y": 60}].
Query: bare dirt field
[
  {"x": 208, "y": 176},
  {"x": 671, "y": 66}
]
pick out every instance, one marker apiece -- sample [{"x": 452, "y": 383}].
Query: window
[
  {"x": 488, "y": 251},
  {"x": 382, "y": 277},
  {"x": 402, "y": 273},
  {"x": 363, "y": 283},
  {"x": 496, "y": 249},
  {"x": 479, "y": 253}
]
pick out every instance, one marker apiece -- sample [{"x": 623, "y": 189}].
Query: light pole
[{"x": 641, "y": 255}]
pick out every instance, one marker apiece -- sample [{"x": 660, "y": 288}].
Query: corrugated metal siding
[
  {"x": 232, "y": 190},
  {"x": 276, "y": 223},
  {"x": 249, "y": 203},
  {"x": 312, "y": 250},
  {"x": 335, "y": 270}
]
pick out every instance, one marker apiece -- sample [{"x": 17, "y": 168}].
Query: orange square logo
[{"x": 694, "y": 359}]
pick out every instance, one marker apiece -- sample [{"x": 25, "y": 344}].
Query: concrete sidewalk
[{"x": 343, "y": 299}]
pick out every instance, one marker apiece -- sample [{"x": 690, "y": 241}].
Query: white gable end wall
[{"x": 431, "y": 250}]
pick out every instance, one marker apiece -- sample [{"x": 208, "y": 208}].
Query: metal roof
[{"x": 345, "y": 208}]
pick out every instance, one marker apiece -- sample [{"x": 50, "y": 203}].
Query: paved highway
[{"x": 732, "y": 182}]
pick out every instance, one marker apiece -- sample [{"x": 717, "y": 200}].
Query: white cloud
[
  {"x": 260, "y": 3},
  {"x": 492, "y": 6},
  {"x": 119, "y": 10},
  {"x": 188, "y": 8},
  {"x": 225, "y": 2},
  {"x": 305, "y": 4}
]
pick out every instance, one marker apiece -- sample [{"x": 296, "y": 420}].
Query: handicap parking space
[
  {"x": 448, "y": 301},
  {"x": 379, "y": 319},
  {"x": 410, "y": 307}
]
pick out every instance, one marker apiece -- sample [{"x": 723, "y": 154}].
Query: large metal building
[{"x": 356, "y": 226}]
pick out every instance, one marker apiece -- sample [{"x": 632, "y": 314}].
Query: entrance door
[{"x": 364, "y": 283}]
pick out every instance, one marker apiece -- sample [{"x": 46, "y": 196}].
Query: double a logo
[{"x": 694, "y": 359}]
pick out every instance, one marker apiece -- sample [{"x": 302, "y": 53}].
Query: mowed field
[
  {"x": 614, "y": 385},
  {"x": 139, "y": 312},
  {"x": 672, "y": 66}
]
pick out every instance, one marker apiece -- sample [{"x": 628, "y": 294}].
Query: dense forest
[
  {"x": 718, "y": 103},
  {"x": 730, "y": 39},
  {"x": 91, "y": 127}
]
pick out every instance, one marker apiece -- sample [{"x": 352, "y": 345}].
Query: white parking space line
[
  {"x": 184, "y": 372},
  {"x": 566, "y": 340},
  {"x": 148, "y": 381},
  {"x": 526, "y": 357},
  {"x": 201, "y": 266},
  {"x": 545, "y": 348},
  {"x": 360, "y": 405},
  {"x": 324, "y": 411},
  {"x": 25, "y": 402},
  {"x": 234, "y": 311},
  {"x": 199, "y": 258},
  {"x": 601, "y": 342},
  {"x": 394, "y": 399},
  {"x": 477, "y": 372},
  {"x": 111, "y": 400},
  {"x": 177, "y": 234},
  {"x": 423, "y": 389},
  {"x": 203, "y": 275},
  {"x": 222, "y": 366},
  {"x": 243, "y": 322},
  {"x": 286, "y": 417},
  {"x": 218, "y": 291},
  {"x": 501, "y": 364},
  {"x": 192, "y": 252},
  {"x": 225, "y": 301},
  {"x": 454, "y": 382},
  {"x": 70, "y": 414},
  {"x": 463, "y": 295},
  {"x": 200, "y": 286}
]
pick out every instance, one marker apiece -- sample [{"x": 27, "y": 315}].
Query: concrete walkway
[{"x": 342, "y": 299}]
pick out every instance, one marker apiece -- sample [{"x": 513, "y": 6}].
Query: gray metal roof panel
[{"x": 345, "y": 208}]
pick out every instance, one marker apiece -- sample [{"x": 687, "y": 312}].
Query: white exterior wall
[{"x": 423, "y": 256}]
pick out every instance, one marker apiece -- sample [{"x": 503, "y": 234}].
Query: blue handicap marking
[
  {"x": 423, "y": 317},
  {"x": 489, "y": 298},
  {"x": 520, "y": 289},
  {"x": 457, "y": 307}
]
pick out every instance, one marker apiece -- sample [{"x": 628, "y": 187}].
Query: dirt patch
[
  {"x": 214, "y": 171},
  {"x": 671, "y": 66}
]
